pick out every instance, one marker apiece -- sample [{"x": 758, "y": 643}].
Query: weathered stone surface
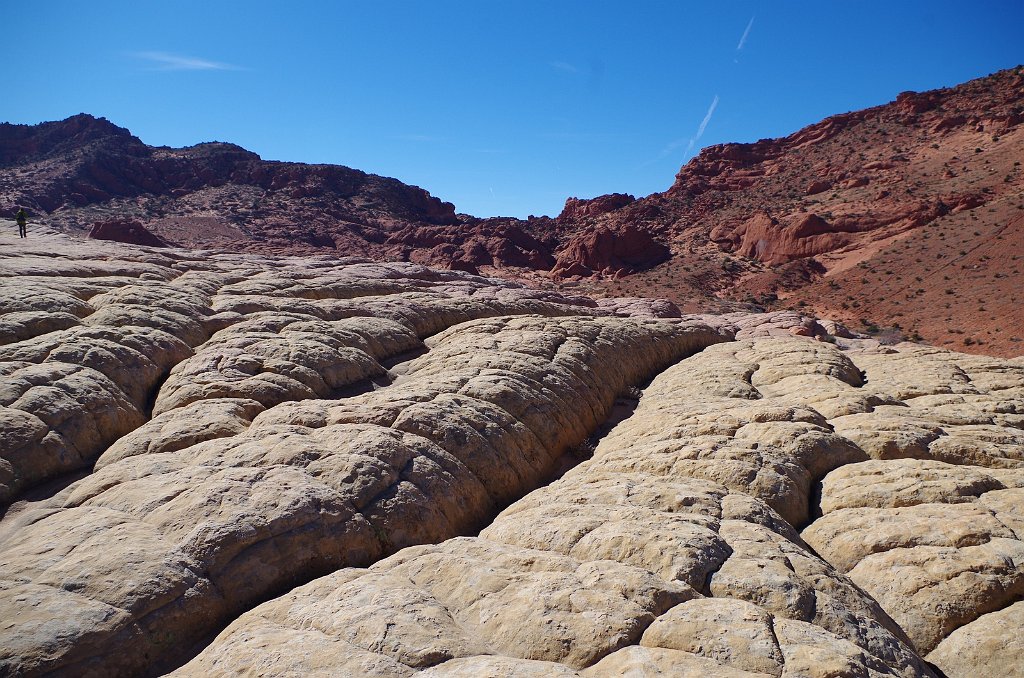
[
  {"x": 247, "y": 424},
  {"x": 992, "y": 645},
  {"x": 656, "y": 661},
  {"x": 220, "y": 514},
  {"x": 902, "y": 482},
  {"x": 54, "y": 418},
  {"x": 931, "y": 526},
  {"x": 932, "y": 590},
  {"x": 844, "y": 538},
  {"x": 271, "y": 330},
  {"x": 716, "y": 554},
  {"x": 733, "y": 632},
  {"x": 715, "y": 417},
  {"x": 188, "y": 426},
  {"x": 469, "y": 597},
  {"x": 280, "y": 358}
]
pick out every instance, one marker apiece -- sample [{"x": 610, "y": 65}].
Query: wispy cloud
[
  {"x": 563, "y": 66},
  {"x": 673, "y": 145},
  {"x": 166, "y": 61},
  {"x": 746, "y": 33}
]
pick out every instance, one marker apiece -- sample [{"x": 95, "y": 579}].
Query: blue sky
[{"x": 502, "y": 107}]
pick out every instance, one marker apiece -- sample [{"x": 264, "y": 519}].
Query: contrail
[
  {"x": 692, "y": 141},
  {"x": 706, "y": 120},
  {"x": 743, "y": 40}
]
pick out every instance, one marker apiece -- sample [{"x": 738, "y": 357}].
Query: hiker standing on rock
[{"x": 22, "y": 218}]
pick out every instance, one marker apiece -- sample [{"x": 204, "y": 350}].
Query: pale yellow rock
[
  {"x": 278, "y": 502},
  {"x": 904, "y": 482},
  {"x": 286, "y": 357},
  {"x": 656, "y": 661},
  {"x": 308, "y": 327},
  {"x": 934, "y": 404},
  {"x": 631, "y": 516},
  {"x": 932, "y": 590},
  {"x": 1008, "y": 507},
  {"x": 732, "y": 632},
  {"x": 489, "y": 666},
  {"x": 790, "y": 582},
  {"x": 811, "y": 652},
  {"x": 431, "y": 604},
  {"x": 21, "y": 325},
  {"x": 55, "y": 418},
  {"x": 706, "y": 419},
  {"x": 675, "y": 549},
  {"x": 846, "y": 537},
  {"x": 991, "y": 645},
  {"x": 317, "y": 413},
  {"x": 914, "y": 371},
  {"x": 176, "y": 430}
]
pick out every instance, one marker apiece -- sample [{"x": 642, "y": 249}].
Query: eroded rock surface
[
  {"x": 931, "y": 527},
  {"x": 697, "y": 496},
  {"x": 693, "y": 499},
  {"x": 241, "y": 490},
  {"x": 90, "y": 332},
  {"x": 323, "y": 435}
]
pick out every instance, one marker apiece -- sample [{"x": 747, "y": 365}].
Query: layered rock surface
[
  {"x": 189, "y": 434},
  {"x": 235, "y": 491},
  {"x": 675, "y": 551}
]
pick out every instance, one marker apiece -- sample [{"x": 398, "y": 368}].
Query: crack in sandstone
[
  {"x": 222, "y": 570},
  {"x": 887, "y": 648},
  {"x": 693, "y": 487}
]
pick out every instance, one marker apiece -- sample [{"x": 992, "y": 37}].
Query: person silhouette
[{"x": 22, "y": 218}]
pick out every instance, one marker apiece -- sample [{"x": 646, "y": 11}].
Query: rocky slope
[
  {"x": 905, "y": 218},
  {"x": 217, "y": 464},
  {"x": 908, "y": 216},
  {"x": 86, "y": 173}
]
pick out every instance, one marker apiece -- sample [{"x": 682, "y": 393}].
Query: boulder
[
  {"x": 627, "y": 249},
  {"x": 126, "y": 231}
]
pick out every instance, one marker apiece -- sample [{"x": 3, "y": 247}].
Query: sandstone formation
[
  {"x": 902, "y": 217},
  {"x": 674, "y": 550},
  {"x": 86, "y": 341},
  {"x": 223, "y": 498},
  {"x": 612, "y": 252},
  {"x": 277, "y": 465}
]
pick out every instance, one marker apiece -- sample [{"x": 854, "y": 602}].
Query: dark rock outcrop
[
  {"x": 123, "y": 230},
  {"x": 610, "y": 251}
]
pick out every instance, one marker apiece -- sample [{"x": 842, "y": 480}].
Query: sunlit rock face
[
  {"x": 903, "y": 217},
  {"x": 216, "y": 464}
]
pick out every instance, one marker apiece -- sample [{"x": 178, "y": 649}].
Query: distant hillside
[
  {"x": 84, "y": 170},
  {"x": 907, "y": 216},
  {"x": 903, "y": 218}
]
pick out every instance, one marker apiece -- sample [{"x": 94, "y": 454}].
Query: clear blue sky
[{"x": 502, "y": 107}]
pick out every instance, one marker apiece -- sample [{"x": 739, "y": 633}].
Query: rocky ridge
[
  {"x": 292, "y": 453},
  {"x": 905, "y": 216}
]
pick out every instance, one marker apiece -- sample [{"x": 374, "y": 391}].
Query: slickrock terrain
[
  {"x": 230, "y": 494},
  {"x": 223, "y": 464},
  {"x": 675, "y": 551},
  {"x": 903, "y": 220}
]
